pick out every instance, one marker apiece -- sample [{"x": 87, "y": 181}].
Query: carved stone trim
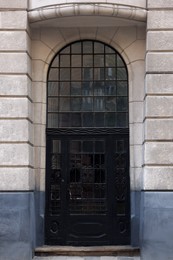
[{"x": 87, "y": 9}]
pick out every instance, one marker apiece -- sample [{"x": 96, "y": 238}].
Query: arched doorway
[{"x": 87, "y": 162}]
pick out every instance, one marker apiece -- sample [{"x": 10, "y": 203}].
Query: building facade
[{"x": 78, "y": 79}]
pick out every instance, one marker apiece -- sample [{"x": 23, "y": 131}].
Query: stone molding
[{"x": 87, "y": 9}]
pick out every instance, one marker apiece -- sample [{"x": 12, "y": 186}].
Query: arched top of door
[{"x": 80, "y": 14}]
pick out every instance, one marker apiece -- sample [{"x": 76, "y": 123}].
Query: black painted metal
[{"x": 87, "y": 167}]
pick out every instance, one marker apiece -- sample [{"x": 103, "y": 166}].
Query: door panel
[{"x": 87, "y": 193}]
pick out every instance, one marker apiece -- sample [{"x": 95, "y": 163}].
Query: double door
[{"x": 87, "y": 190}]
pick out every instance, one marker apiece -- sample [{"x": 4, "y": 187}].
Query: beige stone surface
[
  {"x": 15, "y": 63},
  {"x": 39, "y": 70},
  {"x": 136, "y": 133},
  {"x": 159, "y": 83},
  {"x": 160, "y": 19},
  {"x": 136, "y": 110},
  {"x": 39, "y": 113},
  {"x": 158, "y": 153},
  {"x": 158, "y": 178},
  {"x": 15, "y": 108},
  {"x": 15, "y": 85},
  {"x": 39, "y": 135},
  {"x": 159, "y": 129},
  {"x": 160, "y": 3},
  {"x": 39, "y": 157},
  {"x": 40, "y": 50},
  {"x": 136, "y": 175},
  {"x": 136, "y": 156},
  {"x": 160, "y": 41},
  {"x": 159, "y": 106},
  {"x": 14, "y": 4},
  {"x": 13, "y": 20},
  {"x": 136, "y": 51},
  {"x": 52, "y": 37},
  {"x": 12, "y": 179},
  {"x": 159, "y": 62},
  {"x": 125, "y": 36},
  {"x": 16, "y": 130},
  {"x": 39, "y": 92},
  {"x": 16, "y": 154},
  {"x": 13, "y": 41}
]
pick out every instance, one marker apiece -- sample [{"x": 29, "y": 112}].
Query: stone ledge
[{"x": 87, "y": 251}]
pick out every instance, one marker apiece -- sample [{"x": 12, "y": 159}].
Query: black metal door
[{"x": 87, "y": 193}]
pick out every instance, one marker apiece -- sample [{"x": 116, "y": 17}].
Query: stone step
[
  {"x": 86, "y": 258},
  {"x": 87, "y": 253}
]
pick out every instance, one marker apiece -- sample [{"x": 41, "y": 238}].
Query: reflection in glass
[
  {"x": 122, "y": 88},
  {"x": 76, "y": 48},
  {"x": 53, "y": 88},
  {"x": 99, "y": 88},
  {"x": 99, "y": 120},
  {"x": 87, "y": 119},
  {"x": 64, "y": 74},
  {"x": 121, "y": 73},
  {"x": 99, "y": 104},
  {"x": 76, "y": 60},
  {"x": 53, "y": 105},
  {"x": 53, "y": 74},
  {"x": 64, "y": 60},
  {"x": 76, "y": 120},
  {"x": 87, "y": 61},
  {"x": 87, "y": 104},
  {"x": 53, "y": 120},
  {"x": 64, "y": 120},
  {"x": 99, "y": 73},
  {"x": 122, "y": 104},
  {"x": 110, "y": 88},
  {"x": 76, "y": 88},
  {"x": 76, "y": 104},
  {"x": 64, "y": 88},
  {"x": 99, "y": 61},
  {"x": 110, "y": 104},
  {"x": 110, "y": 119},
  {"x": 110, "y": 60},
  {"x": 64, "y": 104},
  {"x": 76, "y": 74}
]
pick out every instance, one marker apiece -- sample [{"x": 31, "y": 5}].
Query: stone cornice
[{"x": 87, "y": 9}]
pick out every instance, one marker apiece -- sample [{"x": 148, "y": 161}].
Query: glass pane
[
  {"x": 87, "y": 120},
  {"x": 122, "y": 104},
  {"x": 120, "y": 62},
  {"x": 65, "y": 60},
  {"x": 87, "y": 61},
  {"x": 76, "y": 120},
  {"x": 75, "y": 146},
  {"x": 110, "y": 104},
  {"x": 66, "y": 50},
  {"x": 99, "y": 104},
  {"x": 52, "y": 120},
  {"x": 64, "y": 120},
  {"x": 122, "y": 120},
  {"x": 121, "y": 74},
  {"x": 99, "y": 146},
  {"x": 64, "y": 74},
  {"x": 122, "y": 88},
  {"x": 110, "y": 88},
  {"x": 99, "y": 73},
  {"x": 76, "y": 74},
  {"x": 76, "y": 47},
  {"x": 76, "y": 60},
  {"x": 88, "y": 147},
  {"x": 53, "y": 105},
  {"x": 109, "y": 50},
  {"x": 64, "y": 88},
  {"x": 99, "y": 61},
  {"x": 87, "y": 104},
  {"x": 110, "y": 74},
  {"x": 87, "y": 47},
  {"x": 87, "y": 88},
  {"x": 76, "y": 88},
  {"x": 120, "y": 146},
  {"x": 53, "y": 88},
  {"x": 109, "y": 119},
  {"x": 56, "y": 146},
  {"x": 88, "y": 74},
  {"x": 55, "y": 62},
  {"x": 99, "y": 88},
  {"x": 98, "y": 47},
  {"x": 76, "y": 104},
  {"x": 99, "y": 120},
  {"x": 64, "y": 104},
  {"x": 110, "y": 60},
  {"x": 56, "y": 162},
  {"x": 53, "y": 74}
]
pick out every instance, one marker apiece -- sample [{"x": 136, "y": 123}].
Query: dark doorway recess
[{"x": 87, "y": 152}]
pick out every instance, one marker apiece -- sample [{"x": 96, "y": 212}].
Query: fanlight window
[{"x": 87, "y": 87}]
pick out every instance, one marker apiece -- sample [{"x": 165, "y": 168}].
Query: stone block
[
  {"x": 13, "y": 41},
  {"x": 159, "y": 62},
  {"x": 125, "y": 36},
  {"x": 14, "y": 4},
  {"x": 15, "y": 108},
  {"x": 39, "y": 157},
  {"x": 160, "y": 41},
  {"x": 159, "y": 83},
  {"x": 16, "y": 130},
  {"x": 136, "y": 133},
  {"x": 39, "y": 135},
  {"x": 16, "y": 154},
  {"x": 15, "y": 63},
  {"x": 159, "y": 129},
  {"x": 141, "y": 33},
  {"x": 136, "y": 50},
  {"x": 40, "y": 113},
  {"x": 135, "y": 179},
  {"x": 39, "y": 70},
  {"x": 158, "y": 178},
  {"x": 15, "y": 85},
  {"x": 136, "y": 156},
  {"x": 13, "y": 179},
  {"x": 136, "y": 93},
  {"x": 159, "y": 106},
  {"x": 16, "y": 225},
  {"x": 13, "y": 19},
  {"x": 39, "y": 92},
  {"x": 157, "y": 226},
  {"x": 160, "y": 4},
  {"x": 40, "y": 51},
  {"x": 158, "y": 153},
  {"x": 160, "y": 19},
  {"x": 50, "y": 36},
  {"x": 136, "y": 110}
]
